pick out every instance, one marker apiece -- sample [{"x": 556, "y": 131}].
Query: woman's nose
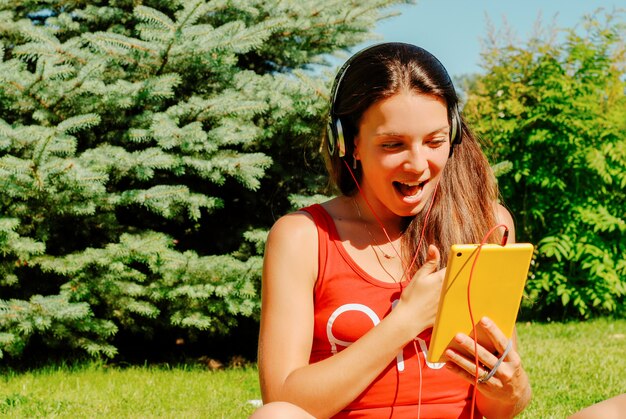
[{"x": 415, "y": 160}]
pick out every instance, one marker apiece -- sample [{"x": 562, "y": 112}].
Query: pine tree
[{"x": 145, "y": 148}]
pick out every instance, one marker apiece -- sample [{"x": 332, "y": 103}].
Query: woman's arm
[{"x": 325, "y": 387}]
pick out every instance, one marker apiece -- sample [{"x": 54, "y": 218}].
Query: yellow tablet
[{"x": 496, "y": 292}]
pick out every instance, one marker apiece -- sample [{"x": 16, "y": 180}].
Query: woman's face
[{"x": 403, "y": 145}]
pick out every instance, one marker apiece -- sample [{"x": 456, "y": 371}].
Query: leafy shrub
[{"x": 557, "y": 112}]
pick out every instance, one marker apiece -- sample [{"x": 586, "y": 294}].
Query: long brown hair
[{"x": 464, "y": 207}]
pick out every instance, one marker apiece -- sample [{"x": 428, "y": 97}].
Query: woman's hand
[
  {"x": 420, "y": 299},
  {"x": 507, "y": 392}
]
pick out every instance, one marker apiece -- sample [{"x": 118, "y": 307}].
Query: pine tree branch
[
  {"x": 93, "y": 68},
  {"x": 177, "y": 30}
]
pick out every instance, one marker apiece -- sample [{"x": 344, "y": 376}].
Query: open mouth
[{"x": 409, "y": 189}]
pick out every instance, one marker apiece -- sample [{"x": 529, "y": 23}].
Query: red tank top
[{"x": 349, "y": 302}]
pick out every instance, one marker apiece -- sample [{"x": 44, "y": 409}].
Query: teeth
[
  {"x": 409, "y": 189},
  {"x": 411, "y": 184}
]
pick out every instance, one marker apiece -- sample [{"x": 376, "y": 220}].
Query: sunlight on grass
[
  {"x": 98, "y": 391},
  {"x": 571, "y": 366}
]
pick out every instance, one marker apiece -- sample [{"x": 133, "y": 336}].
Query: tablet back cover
[{"x": 496, "y": 291}]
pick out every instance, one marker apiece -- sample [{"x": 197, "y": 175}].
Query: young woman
[{"x": 351, "y": 286}]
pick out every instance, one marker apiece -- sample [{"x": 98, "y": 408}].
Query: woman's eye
[
  {"x": 391, "y": 145},
  {"x": 437, "y": 141}
]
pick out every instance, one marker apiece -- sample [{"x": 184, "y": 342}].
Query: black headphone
[{"x": 334, "y": 129}]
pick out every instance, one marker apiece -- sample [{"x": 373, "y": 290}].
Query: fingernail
[{"x": 486, "y": 321}]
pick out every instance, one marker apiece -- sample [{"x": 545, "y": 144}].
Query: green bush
[{"x": 557, "y": 111}]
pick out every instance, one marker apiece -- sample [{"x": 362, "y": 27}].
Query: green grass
[
  {"x": 97, "y": 391},
  {"x": 570, "y": 365}
]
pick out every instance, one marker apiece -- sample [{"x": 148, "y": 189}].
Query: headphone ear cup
[
  {"x": 331, "y": 136},
  {"x": 336, "y": 141},
  {"x": 341, "y": 142}
]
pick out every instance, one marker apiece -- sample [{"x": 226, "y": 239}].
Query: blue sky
[{"x": 452, "y": 29}]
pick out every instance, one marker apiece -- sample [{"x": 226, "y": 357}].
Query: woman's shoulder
[
  {"x": 303, "y": 220},
  {"x": 503, "y": 216},
  {"x": 301, "y": 226},
  {"x": 296, "y": 225}
]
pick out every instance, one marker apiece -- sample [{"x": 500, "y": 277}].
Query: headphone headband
[{"x": 334, "y": 128}]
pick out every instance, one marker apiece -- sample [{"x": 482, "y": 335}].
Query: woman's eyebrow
[{"x": 399, "y": 134}]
